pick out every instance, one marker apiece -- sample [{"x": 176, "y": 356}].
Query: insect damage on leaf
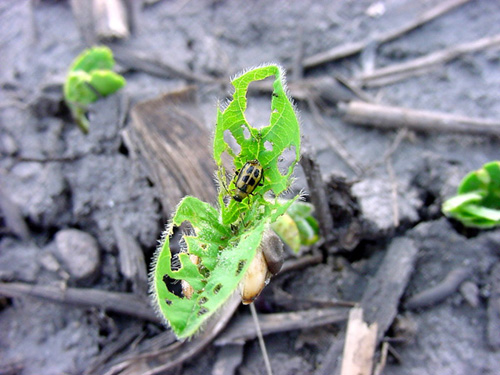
[{"x": 222, "y": 245}]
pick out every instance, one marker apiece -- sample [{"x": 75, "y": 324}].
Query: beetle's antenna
[{"x": 261, "y": 339}]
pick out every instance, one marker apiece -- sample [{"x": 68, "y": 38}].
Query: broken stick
[
  {"x": 359, "y": 347},
  {"x": 123, "y": 303},
  {"x": 349, "y": 49},
  {"x": 396, "y": 72},
  {"x": 389, "y": 117}
]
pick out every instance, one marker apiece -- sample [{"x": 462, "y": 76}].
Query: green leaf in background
[
  {"x": 89, "y": 78},
  {"x": 221, "y": 244},
  {"x": 297, "y": 227},
  {"x": 477, "y": 203}
]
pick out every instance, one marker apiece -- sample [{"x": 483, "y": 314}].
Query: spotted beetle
[{"x": 247, "y": 179}]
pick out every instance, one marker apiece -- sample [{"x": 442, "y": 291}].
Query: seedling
[
  {"x": 477, "y": 203},
  {"x": 89, "y": 78},
  {"x": 224, "y": 242},
  {"x": 297, "y": 227}
]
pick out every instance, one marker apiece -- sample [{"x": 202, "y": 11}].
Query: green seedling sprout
[
  {"x": 477, "y": 203},
  {"x": 223, "y": 241},
  {"x": 89, "y": 78},
  {"x": 297, "y": 227}
]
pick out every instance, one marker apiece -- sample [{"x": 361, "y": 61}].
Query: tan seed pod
[
  {"x": 267, "y": 262},
  {"x": 255, "y": 279}
]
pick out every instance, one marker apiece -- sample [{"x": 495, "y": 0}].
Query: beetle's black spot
[
  {"x": 256, "y": 173},
  {"x": 250, "y": 169},
  {"x": 251, "y": 182},
  {"x": 202, "y": 300},
  {"x": 202, "y": 311},
  {"x": 241, "y": 264},
  {"x": 168, "y": 302},
  {"x": 217, "y": 288},
  {"x": 245, "y": 178}
]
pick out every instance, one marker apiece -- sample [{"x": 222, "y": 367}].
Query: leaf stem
[{"x": 261, "y": 339}]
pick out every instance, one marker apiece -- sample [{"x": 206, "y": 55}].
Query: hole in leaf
[
  {"x": 258, "y": 112},
  {"x": 246, "y": 133},
  {"x": 168, "y": 302},
  {"x": 202, "y": 311},
  {"x": 202, "y": 300},
  {"x": 217, "y": 288},
  {"x": 286, "y": 159},
  {"x": 231, "y": 141},
  {"x": 268, "y": 145},
  {"x": 173, "y": 286},
  {"x": 241, "y": 264}
]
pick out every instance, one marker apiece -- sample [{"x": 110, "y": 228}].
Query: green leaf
[
  {"x": 477, "y": 203},
  {"x": 297, "y": 227},
  {"x": 224, "y": 259},
  {"x": 78, "y": 89},
  {"x": 88, "y": 79},
  {"x": 266, "y": 144},
  {"x": 221, "y": 244},
  {"x": 96, "y": 58},
  {"x": 106, "y": 82}
]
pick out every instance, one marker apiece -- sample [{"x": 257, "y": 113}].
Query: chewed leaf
[
  {"x": 223, "y": 262},
  {"x": 268, "y": 143}
]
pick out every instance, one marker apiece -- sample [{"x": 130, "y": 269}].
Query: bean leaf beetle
[{"x": 247, "y": 179}]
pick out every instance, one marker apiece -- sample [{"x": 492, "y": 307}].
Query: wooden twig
[
  {"x": 394, "y": 193},
  {"x": 122, "y": 303},
  {"x": 336, "y": 144},
  {"x": 380, "y": 300},
  {"x": 171, "y": 140},
  {"x": 229, "y": 357},
  {"x": 379, "y": 368},
  {"x": 132, "y": 263},
  {"x": 355, "y": 47},
  {"x": 110, "y": 19},
  {"x": 137, "y": 60},
  {"x": 317, "y": 193},
  {"x": 493, "y": 326},
  {"x": 389, "y": 117},
  {"x": 163, "y": 360},
  {"x": 260, "y": 337},
  {"x": 440, "y": 291},
  {"x": 395, "y": 72},
  {"x": 359, "y": 347},
  {"x": 302, "y": 262},
  {"x": 242, "y": 328}
]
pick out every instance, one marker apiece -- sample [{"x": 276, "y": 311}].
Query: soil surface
[{"x": 68, "y": 190}]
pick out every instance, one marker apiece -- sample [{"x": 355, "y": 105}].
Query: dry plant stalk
[{"x": 359, "y": 347}]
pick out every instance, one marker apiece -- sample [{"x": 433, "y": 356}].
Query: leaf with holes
[
  {"x": 477, "y": 203},
  {"x": 221, "y": 244},
  {"x": 267, "y": 145},
  {"x": 223, "y": 261}
]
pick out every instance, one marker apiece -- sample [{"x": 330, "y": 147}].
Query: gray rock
[
  {"x": 375, "y": 199},
  {"x": 39, "y": 190},
  {"x": 19, "y": 260},
  {"x": 79, "y": 254},
  {"x": 470, "y": 292}
]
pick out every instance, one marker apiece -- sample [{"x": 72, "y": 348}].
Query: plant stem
[{"x": 261, "y": 339}]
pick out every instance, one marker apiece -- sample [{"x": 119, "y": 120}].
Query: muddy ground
[{"x": 60, "y": 179}]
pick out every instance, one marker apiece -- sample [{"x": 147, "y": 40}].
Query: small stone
[
  {"x": 470, "y": 292},
  {"x": 79, "y": 253}
]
